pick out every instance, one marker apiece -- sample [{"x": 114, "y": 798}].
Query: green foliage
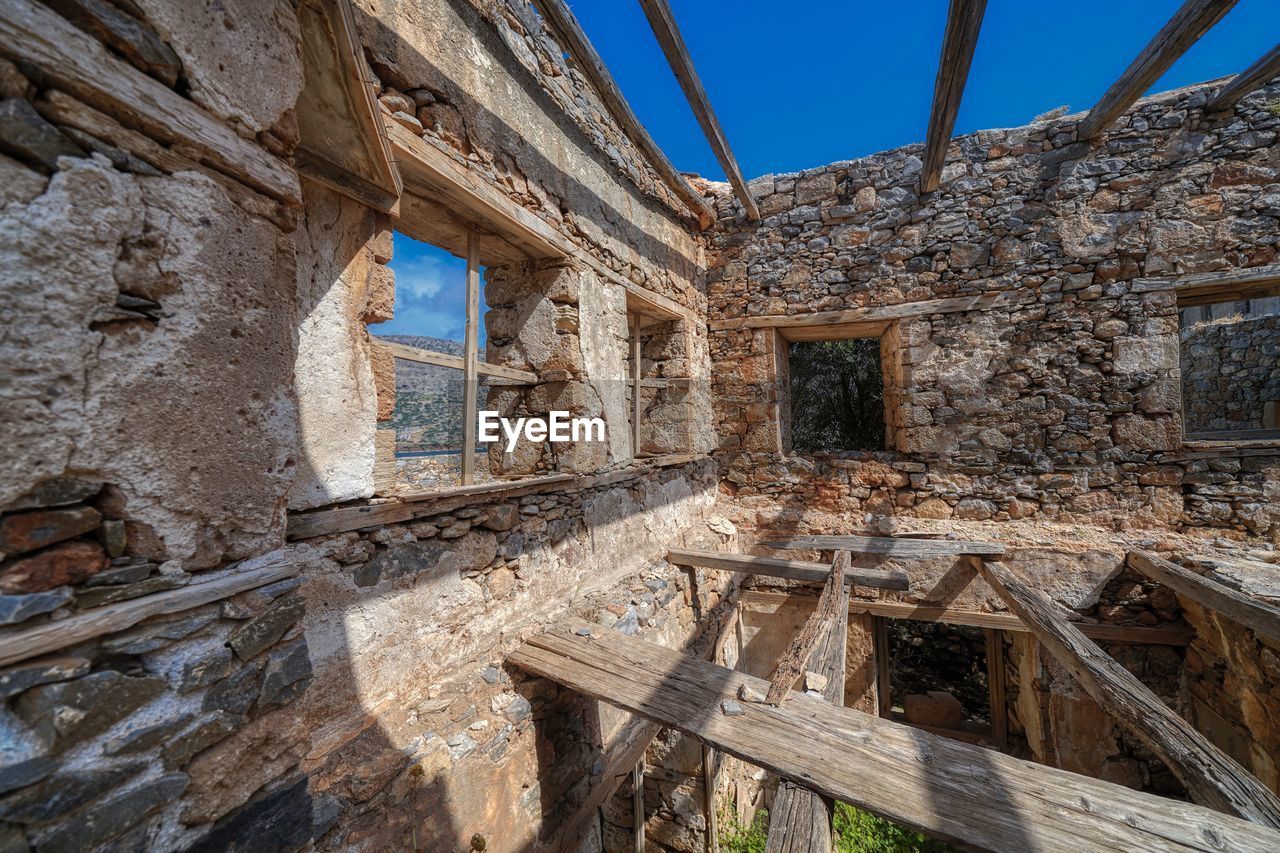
[
  {"x": 857, "y": 831},
  {"x": 837, "y": 395},
  {"x": 1273, "y": 107},
  {"x": 736, "y": 837}
]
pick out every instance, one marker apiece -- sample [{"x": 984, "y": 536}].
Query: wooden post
[
  {"x": 637, "y": 804},
  {"x": 884, "y": 701},
  {"x": 1221, "y": 599},
  {"x": 710, "y": 766},
  {"x": 471, "y": 343},
  {"x": 996, "y": 688},
  {"x": 635, "y": 385}
]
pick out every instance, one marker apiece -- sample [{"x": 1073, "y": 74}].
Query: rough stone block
[
  {"x": 63, "y": 564},
  {"x": 125, "y": 34},
  {"x": 113, "y": 816},
  {"x": 19, "y": 677},
  {"x": 287, "y": 674},
  {"x": 197, "y": 737},
  {"x": 27, "y": 136},
  {"x": 70, "y": 712},
  {"x": 936, "y": 708},
  {"x": 19, "y": 608},
  {"x": 61, "y": 794},
  {"x": 267, "y": 628},
  {"x": 380, "y": 295},
  {"x": 28, "y": 531}
]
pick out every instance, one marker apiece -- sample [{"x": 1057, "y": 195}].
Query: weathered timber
[
  {"x": 29, "y": 642},
  {"x": 470, "y": 360},
  {"x": 1221, "y": 599},
  {"x": 440, "y": 359},
  {"x": 1206, "y": 288},
  {"x": 76, "y": 62},
  {"x": 669, "y": 38},
  {"x": 800, "y": 821},
  {"x": 1211, "y": 777},
  {"x": 921, "y": 549},
  {"x": 342, "y": 140},
  {"x": 793, "y": 569},
  {"x": 1187, "y": 25},
  {"x": 637, "y": 804},
  {"x": 871, "y": 317},
  {"x": 584, "y": 54},
  {"x": 1265, "y": 69},
  {"x": 832, "y": 608},
  {"x": 964, "y": 21},
  {"x": 710, "y": 775},
  {"x": 951, "y": 790}
]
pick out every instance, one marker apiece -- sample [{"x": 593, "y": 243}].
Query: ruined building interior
[{"x": 1033, "y": 605}]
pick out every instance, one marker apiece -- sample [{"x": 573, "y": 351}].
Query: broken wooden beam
[
  {"x": 915, "y": 549},
  {"x": 665, "y": 30},
  {"x": 832, "y": 607},
  {"x": 1187, "y": 25},
  {"x": 774, "y": 567},
  {"x": 1221, "y": 599},
  {"x": 566, "y": 26},
  {"x": 950, "y": 790},
  {"x": 1211, "y": 777},
  {"x": 1260, "y": 72},
  {"x": 800, "y": 821},
  {"x": 964, "y": 21}
]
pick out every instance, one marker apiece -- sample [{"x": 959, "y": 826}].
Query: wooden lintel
[
  {"x": 1219, "y": 598},
  {"x": 889, "y": 546},
  {"x": 26, "y": 643},
  {"x": 1211, "y": 777},
  {"x": 964, "y": 22},
  {"x": 566, "y": 26},
  {"x": 951, "y": 790},
  {"x": 792, "y": 569},
  {"x": 669, "y": 38},
  {"x": 1192, "y": 20},
  {"x": 866, "y": 317},
  {"x": 1263, "y": 71}
]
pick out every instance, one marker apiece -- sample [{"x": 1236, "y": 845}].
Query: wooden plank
[
  {"x": 50, "y": 636},
  {"x": 800, "y": 821},
  {"x": 457, "y": 362},
  {"x": 566, "y": 26},
  {"x": 832, "y": 608},
  {"x": 902, "y": 548},
  {"x": 1187, "y": 25},
  {"x": 637, "y": 805},
  {"x": 871, "y": 316},
  {"x": 471, "y": 357},
  {"x": 996, "y": 689},
  {"x": 1263, "y": 71},
  {"x": 948, "y": 789},
  {"x": 1207, "y": 288},
  {"x": 1221, "y": 599},
  {"x": 964, "y": 21},
  {"x": 834, "y": 332},
  {"x": 636, "y": 373},
  {"x": 669, "y": 38},
  {"x": 342, "y": 139},
  {"x": 1211, "y": 777},
  {"x": 710, "y": 768},
  {"x": 884, "y": 693},
  {"x": 31, "y": 34},
  {"x": 793, "y": 569}
]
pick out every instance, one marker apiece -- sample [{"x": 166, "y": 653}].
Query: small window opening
[
  {"x": 837, "y": 395},
  {"x": 1229, "y": 354},
  {"x": 937, "y": 677}
]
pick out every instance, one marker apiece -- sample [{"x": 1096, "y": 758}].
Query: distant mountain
[
  {"x": 428, "y": 413},
  {"x": 423, "y": 342}
]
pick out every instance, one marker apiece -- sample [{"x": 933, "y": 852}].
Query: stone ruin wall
[
  {"x": 366, "y": 695},
  {"x": 1064, "y": 402},
  {"x": 1230, "y": 371}
]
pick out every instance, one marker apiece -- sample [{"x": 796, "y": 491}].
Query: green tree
[{"x": 837, "y": 395}]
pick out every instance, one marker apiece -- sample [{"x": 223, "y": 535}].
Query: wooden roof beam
[
  {"x": 964, "y": 21},
  {"x": 1187, "y": 25},
  {"x": 798, "y": 570},
  {"x": 664, "y": 27},
  {"x": 899, "y": 547},
  {"x": 1260, "y": 72},
  {"x": 1223, "y": 600},
  {"x": 557, "y": 13},
  {"x": 1212, "y": 778},
  {"x": 948, "y": 789}
]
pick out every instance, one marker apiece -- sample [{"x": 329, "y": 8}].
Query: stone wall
[
  {"x": 1230, "y": 371},
  {"x": 1059, "y": 401}
]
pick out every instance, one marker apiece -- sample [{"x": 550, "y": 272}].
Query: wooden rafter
[
  {"x": 964, "y": 21},
  {"x": 832, "y": 608},
  {"x": 948, "y": 789},
  {"x": 903, "y": 547},
  {"x": 1212, "y": 778},
  {"x": 1260, "y": 72},
  {"x": 1188, "y": 24},
  {"x": 1223, "y": 600},
  {"x": 664, "y": 27},
  {"x": 799, "y": 570},
  {"x": 584, "y": 54}
]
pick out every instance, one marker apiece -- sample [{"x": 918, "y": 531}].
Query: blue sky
[
  {"x": 431, "y": 287},
  {"x": 802, "y": 84}
]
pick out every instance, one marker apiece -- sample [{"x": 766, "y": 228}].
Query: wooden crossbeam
[
  {"x": 964, "y": 21},
  {"x": 664, "y": 27},
  {"x": 1211, "y": 777},
  {"x": 1187, "y": 25},
  {"x": 832, "y": 608},
  {"x": 921, "y": 549},
  {"x": 950, "y": 790},
  {"x": 566, "y": 26},
  {"x": 1260, "y": 72},
  {"x": 1223, "y": 600},
  {"x": 800, "y": 821},
  {"x": 798, "y": 570}
]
